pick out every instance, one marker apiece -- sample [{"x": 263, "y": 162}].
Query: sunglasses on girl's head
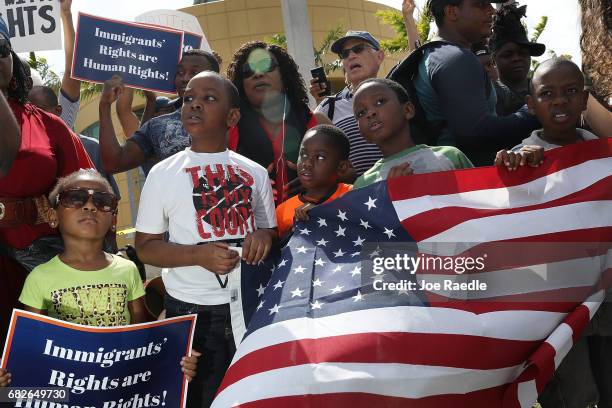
[
  {"x": 357, "y": 49},
  {"x": 259, "y": 67},
  {"x": 78, "y": 197},
  {"x": 5, "y": 49}
]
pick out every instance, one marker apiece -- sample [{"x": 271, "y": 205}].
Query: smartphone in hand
[{"x": 319, "y": 74}]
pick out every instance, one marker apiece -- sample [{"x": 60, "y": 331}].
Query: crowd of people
[{"x": 238, "y": 158}]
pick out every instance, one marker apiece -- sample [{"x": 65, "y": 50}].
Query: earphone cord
[{"x": 280, "y": 163}]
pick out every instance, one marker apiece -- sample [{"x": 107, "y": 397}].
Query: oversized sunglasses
[
  {"x": 5, "y": 49},
  {"x": 78, "y": 197},
  {"x": 357, "y": 49},
  {"x": 262, "y": 66}
]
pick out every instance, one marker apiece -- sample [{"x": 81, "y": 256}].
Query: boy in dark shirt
[{"x": 454, "y": 90}]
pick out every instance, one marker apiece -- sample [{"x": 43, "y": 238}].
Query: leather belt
[{"x": 20, "y": 211}]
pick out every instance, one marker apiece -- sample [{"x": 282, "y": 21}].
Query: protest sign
[
  {"x": 34, "y": 25},
  {"x": 99, "y": 367},
  {"x": 192, "y": 41},
  {"x": 145, "y": 56},
  {"x": 179, "y": 21}
]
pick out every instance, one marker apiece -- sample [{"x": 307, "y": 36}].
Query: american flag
[{"x": 321, "y": 337}]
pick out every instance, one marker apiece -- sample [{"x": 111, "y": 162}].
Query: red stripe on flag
[
  {"x": 490, "y": 397},
  {"x": 541, "y": 368},
  {"x": 510, "y": 255},
  {"x": 432, "y": 349},
  {"x": 578, "y": 321},
  {"x": 451, "y": 182},
  {"x": 486, "y": 306},
  {"x": 437, "y": 220},
  {"x": 542, "y": 361}
]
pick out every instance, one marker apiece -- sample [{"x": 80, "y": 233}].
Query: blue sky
[{"x": 561, "y": 35}]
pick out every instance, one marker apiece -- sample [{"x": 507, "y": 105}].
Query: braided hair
[{"x": 18, "y": 86}]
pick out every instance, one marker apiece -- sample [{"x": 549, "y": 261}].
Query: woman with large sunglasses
[
  {"x": 274, "y": 111},
  {"x": 47, "y": 150}
]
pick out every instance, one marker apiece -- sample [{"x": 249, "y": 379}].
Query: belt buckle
[{"x": 2, "y": 211}]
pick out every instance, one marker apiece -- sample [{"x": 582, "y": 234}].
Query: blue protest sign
[
  {"x": 100, "y": 367},
  {"x": 192, "y": 41},
  {"x": 145, "y": 56}
]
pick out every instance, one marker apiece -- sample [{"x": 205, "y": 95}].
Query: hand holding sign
[
  {"x": 112, "y": 89},
  {"x": 104, "y": 367},
  {"x": 145, "y": 56},
  {"x": 189, "y": 364}
]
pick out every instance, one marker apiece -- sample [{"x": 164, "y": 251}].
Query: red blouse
[{"x": 49, "y": 150}]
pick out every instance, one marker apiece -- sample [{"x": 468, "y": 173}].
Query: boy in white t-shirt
[{"x": 207, "y": 198}]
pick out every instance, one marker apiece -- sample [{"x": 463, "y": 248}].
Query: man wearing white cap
[{"x": 361, "y": 59}]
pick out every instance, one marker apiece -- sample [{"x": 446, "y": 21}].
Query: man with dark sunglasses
[{"x": 361, "y": 59}]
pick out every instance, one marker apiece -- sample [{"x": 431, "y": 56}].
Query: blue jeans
[{"x": 214, "y": 339}]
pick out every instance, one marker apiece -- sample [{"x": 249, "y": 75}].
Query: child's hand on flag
[{"x": 528, "y": 155}]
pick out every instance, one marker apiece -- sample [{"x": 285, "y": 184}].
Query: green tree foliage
[
  {"x": 279, "y": 40},
  {"x": 395, "y": 20},
  {"x": 52, "y": 79},
  {"x": 537, "y": 32},
  {"x": 538, "y": 29},
  {"x": 49, "y": 77},
  {"x": 424, "y": 24},
  {"x": 90, "y": 90}
]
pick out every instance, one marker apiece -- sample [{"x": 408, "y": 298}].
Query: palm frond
[
  {"x": 49, "y": 77},
  {"x": 90, "y": 90},
  {"x": 319, "y": 53},
  {"x": 538, "y": 29},
  {"x": 332, "y": 66},
  {"x": 424, "y": 24},
  {"x": 394, "y": 19},
  {"x": 278, "y": 39}
]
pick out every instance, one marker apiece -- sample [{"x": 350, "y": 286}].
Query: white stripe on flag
[
  {"x": 527, "y": 393},
  {"x": 522, "y": 325},
  {"x": 399, "y": 380},
  {"x": 561, "y": 341},
  {"x": 594, "y": 301},
  {"x": 592, "y": 214},
  {"x": 541, "y": 190},
  {"x": 527, "y": 279}
]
